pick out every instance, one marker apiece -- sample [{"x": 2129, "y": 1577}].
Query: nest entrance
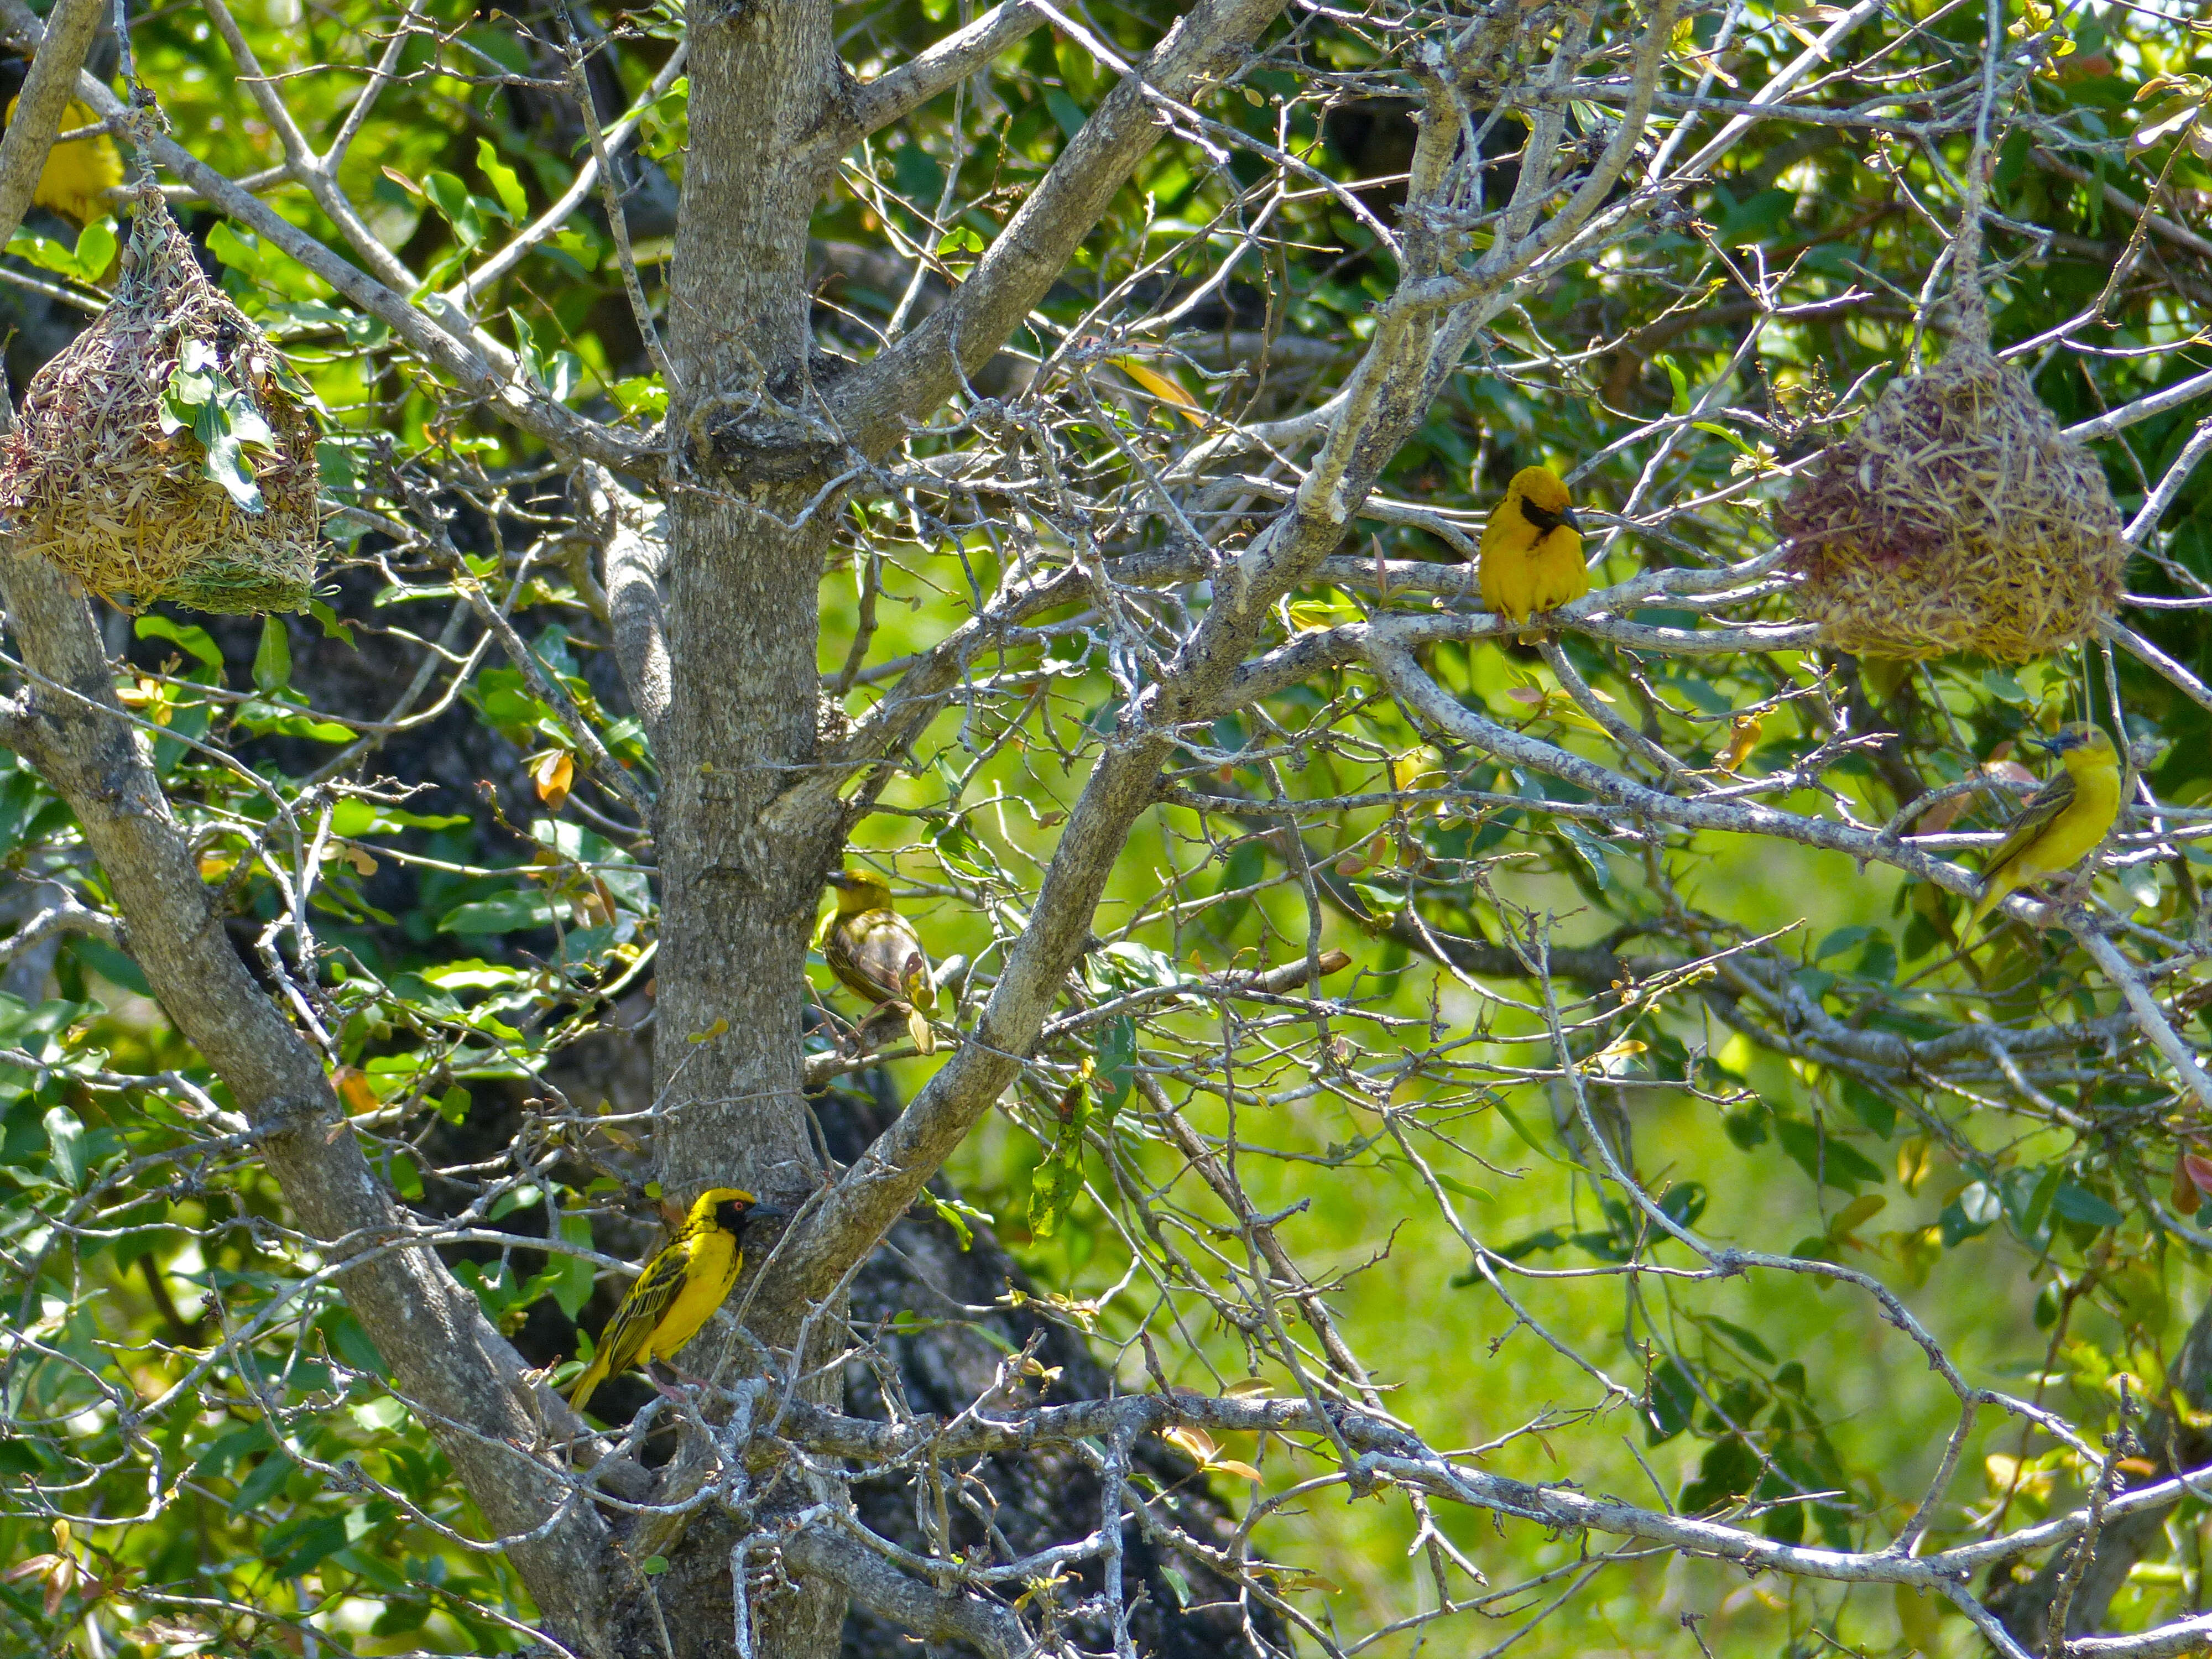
[
  {"x": 1957, "y": 517},
  {"x": 169, "y": 452}
]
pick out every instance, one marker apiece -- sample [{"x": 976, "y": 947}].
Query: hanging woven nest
[
  {"x": 1956, "y": 518},
  {"x": 168, "y": 453}
]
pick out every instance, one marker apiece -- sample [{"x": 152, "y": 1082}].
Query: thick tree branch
[
  {"x": 1383, "y": 1448},
  {"x": 43, "y": 104},
  {"x": 1423, "y": 697},
  {"x": 632, "y": 560},
  {"x": 67, "y": 917},
  {"x": 902, "y": 91},
  {"x": 934, "y": 1615}
]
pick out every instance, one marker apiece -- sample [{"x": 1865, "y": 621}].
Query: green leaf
[
  {"x": 1522, "y": 1130},
  {"x": 514, "y": 205},
  {"x": 226, "y": 452},
  {"x": 332, "y": 628},
  {"x": 1840, "y": 941},
  {"x": 1829, "y": 1161},
  {"x": 272, "y": 659},
  {"x": 195, "y": 642},
  {"x": 1117, "y": 1064},
  {"x": 1055, "y": 1183},
  {"x": 312, "y": 1545},
  {"x": 1747, "y": 1340},
  {"x": 1870, "y": 1109},
  {"x": 65, "y": 1136},
  {"x": 263, "y": 1484},
  {"x": 452, "y": 199},
  {"x": 2080, "y": 1204},
  {"x": 1726, "y": 1472},
  {"x": 572, "y": 1274},
  {"x": 957, "y": 1216},
  {"x": 1670, "y": 1400},
  {"x": 95, "y": 249},
  {"x": 1066, "y": 110},
  {"x": 1745, "y": 1128},
  {"x": 503, "y": 912}
]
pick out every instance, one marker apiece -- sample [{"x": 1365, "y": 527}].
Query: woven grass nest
[
  {"x": 168, "y": 453},
  {"x": 1956, "y": 518}
]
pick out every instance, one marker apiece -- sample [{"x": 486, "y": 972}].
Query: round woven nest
[
  {"x": 1956, "y": 518},
  {"x": 147, "y": 484}
]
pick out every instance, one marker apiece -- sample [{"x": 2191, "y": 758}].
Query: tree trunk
[{"x": 738, "y": 903}]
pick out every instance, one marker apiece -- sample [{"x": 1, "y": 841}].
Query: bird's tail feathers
[{"x": 581, "y": 1391}]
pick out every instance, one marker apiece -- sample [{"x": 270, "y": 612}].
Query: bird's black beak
[
  {"x": 763, "y": 1211},
  {"x": 1567, "y": 518},
  {"x": 838, "y": 878},
  {"x": 2059, "y": 743}
]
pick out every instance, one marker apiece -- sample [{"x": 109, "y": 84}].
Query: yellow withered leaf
[
  {"x": 554, "y": 773},
  {"x": 1196, "y": 1442}
]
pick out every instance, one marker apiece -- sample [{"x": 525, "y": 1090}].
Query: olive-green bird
[
  {"x": 876, "y": 954},
  {"x": 2061, "y": 822},
  {"x": 679, "y": 1289}
]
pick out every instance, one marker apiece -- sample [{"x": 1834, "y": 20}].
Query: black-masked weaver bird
[
  {"x": 679, "y": 1289},
  {"x": 2060, "y": 825}
]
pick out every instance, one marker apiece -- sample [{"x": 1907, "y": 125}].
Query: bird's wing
[
  {"x": 875, "y": 955},
  {"x": 649, "y": 1300},
  {"x": 2045, "y": 805}
]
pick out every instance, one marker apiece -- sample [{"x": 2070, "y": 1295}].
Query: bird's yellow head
[
  {"x": 2080, "y": 745},
  {"x": 1543, "y": 499},
  {"x": 860, "y": 890},
  {"x": 730, "y": 1208}
]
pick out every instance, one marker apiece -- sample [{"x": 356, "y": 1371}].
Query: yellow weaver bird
[
  {"x": 76, "y": 172},
  {"x": 1531, "y": 558},
  {"x": 679, "y": 1289},
  {"x": 2061, "y": 823},
  {"x": 876, "y": 954}
]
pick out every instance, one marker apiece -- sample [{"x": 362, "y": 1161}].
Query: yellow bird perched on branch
[
  {"x": 76, "y": 172},
  {"x": 2061, "y": 823},
  {"x": 876, "y": 953},
  {"x": 1531, "y": 558},
  {"x": 679, "y": 1289}
]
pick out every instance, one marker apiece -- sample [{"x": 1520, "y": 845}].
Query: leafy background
[{"x": 476, "y": 928}]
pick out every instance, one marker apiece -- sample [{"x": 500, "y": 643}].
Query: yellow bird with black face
[
  {"x": 1531, "y": 557},
  {"x": 2061, "y": 822},
  {"x": 687, "y": 1279},
  {"x": 876, "y": 953}
]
